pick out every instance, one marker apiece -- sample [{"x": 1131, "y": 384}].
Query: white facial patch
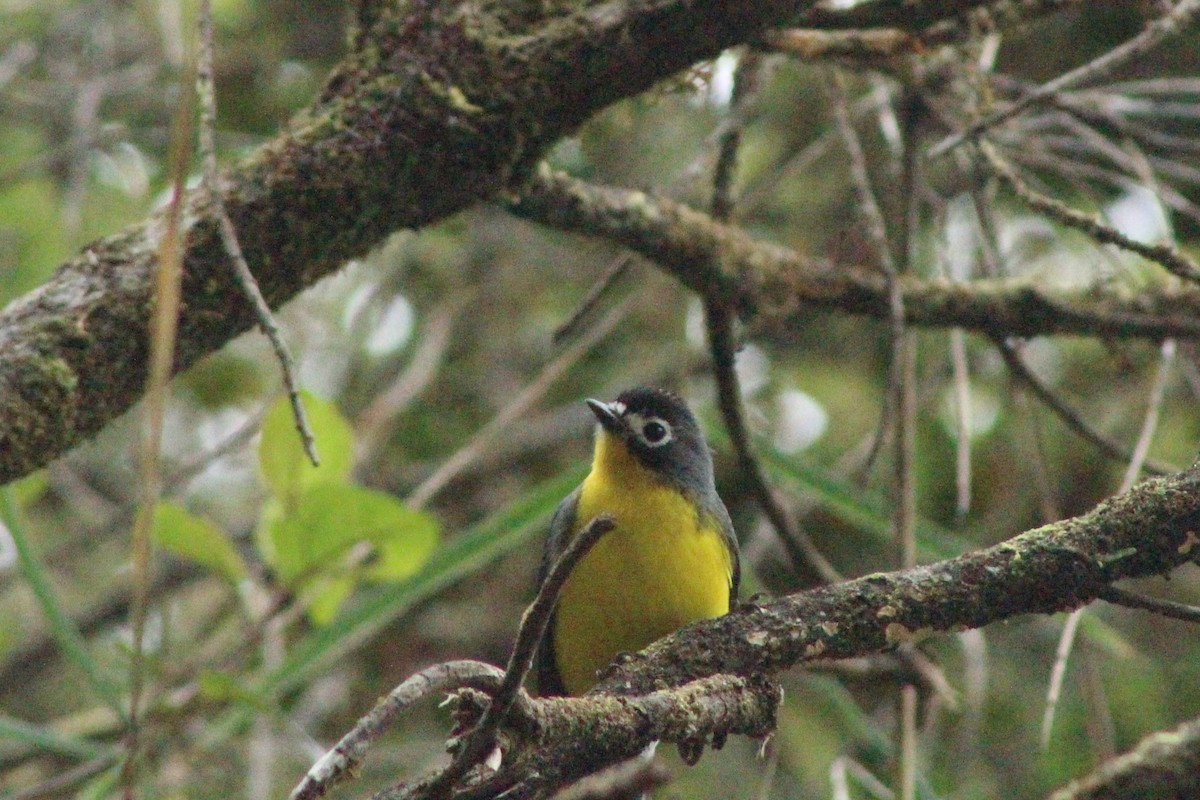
[{"x": 652, "y": 431}]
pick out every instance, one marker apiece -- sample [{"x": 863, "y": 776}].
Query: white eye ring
[{"x": 651, "y": 431}]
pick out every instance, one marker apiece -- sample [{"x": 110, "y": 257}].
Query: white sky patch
[
  {"x": 802, "y": 420},
  {"x": 961, "y": 231},
  {"x": 1139, "y": 215},
  {"x": 983, "y": 415},
  {"x": 8, "y": 549},
  {"x": 356, "y": 303},
  {"x": 720, "y": 85},
  {"x": 693, "y": 325},
  {"x": 393, "y": 328},
  {"x": 753, "y": 369},
  {"x": 124, "y": 168}
]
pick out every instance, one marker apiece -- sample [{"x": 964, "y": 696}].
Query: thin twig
[
  {"x": 799, "y": 546},
  {"x": 1136, "y": 461},
  {"x": 519, "y": 405},
  {"x": 63, "y": 784},
  {"x": 534, "y": 622},
  {"x": 208, "y": 152},
  {"x": 962, "y": 402},
  {"x": 1170, "y": 258},
  {"x": 376, "y": 422},
  {"x": 1164, "y": 608},
  {"x": 630, "y": 778},
  {"x": 1058, "y": 673},
  {"x": 618, "y": 268},
  {"x": 1150, "y": 423},
  {"x": 164, "y": 328},
  {"x": 1068, "y": 415},
  {"x": 868, "y": 205},
  {"x": 719, "y": 320},
  {"x": 344, "y": 757},
  {"x": 1151, "y": 36}
]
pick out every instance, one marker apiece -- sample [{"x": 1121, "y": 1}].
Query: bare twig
[
  {"x": 629, "y": 779},
  {"x": 375, "y": 422},
  {"x": 1151, "y": 37},
  {"x": 1164, "y": 608},
  {"x": 860, "y": 46},
  {"x": 1165, "y": 764},
  {"x": 352, "y": 749},
  {"x": 164, "y": 328},
  {"x": 1137, "y": 459},
  {"x": 1150, "y": 422},
  {"x": 1064, "y": 412},
  {"x": 519, "y": 405},
  {"x": 801, "y": 549},
  {"x": 719, "y": 321},
  {"x": 229, "y": 239},
  {"x": 1170, "y": 258},
  {"x": 962, "y": 416},
  {"x": 482, "y": 739},
  {"x": 615, "y": 271}
]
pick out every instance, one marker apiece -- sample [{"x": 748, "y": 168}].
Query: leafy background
[{"x": 286, "y": 599}]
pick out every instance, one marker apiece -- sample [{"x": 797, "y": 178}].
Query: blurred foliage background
[{"x": 454, "y": 424}]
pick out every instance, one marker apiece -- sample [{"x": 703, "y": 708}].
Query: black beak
[{"x": 609, "y": 419}]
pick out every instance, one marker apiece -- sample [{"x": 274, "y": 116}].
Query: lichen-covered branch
[
  {"x": 721, "y": 668},
  {"x": 1146, "y": 531},
  {"x": 554, "y": 741},
  {"x": 774, "y": 288},
  {"x": 440, "y": 105},
  {"x": 1164, "y": 766}
]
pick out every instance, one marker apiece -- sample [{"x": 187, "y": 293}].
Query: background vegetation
[{"x": 449, "y": 417}]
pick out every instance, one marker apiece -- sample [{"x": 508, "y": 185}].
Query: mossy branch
[
  {"x": 774, "y": 289},
  {"x": 426, "y": 117}
]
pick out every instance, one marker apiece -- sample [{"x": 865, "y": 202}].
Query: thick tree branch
[
  {"x": 1148, "y": 530},
  {"x": 718, "y": 666},
  {"x": 440, "y": 106},
  {"x": 775, "y": 289}
]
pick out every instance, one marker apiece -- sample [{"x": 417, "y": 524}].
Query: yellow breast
[{"x": 661, "y": 567}]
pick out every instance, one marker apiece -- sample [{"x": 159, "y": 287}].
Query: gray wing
[
  {"x": 714, "y": 508},
  {"x": 561, "y": 525}
]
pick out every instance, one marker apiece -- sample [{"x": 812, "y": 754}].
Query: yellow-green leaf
[
  {"x": 196, "y": 539},
  {"x": 309, "y": 542},
  {"x": 281, "y": 452}
]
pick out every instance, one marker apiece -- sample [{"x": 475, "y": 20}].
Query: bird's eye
[{"x": 654, "y": 432}]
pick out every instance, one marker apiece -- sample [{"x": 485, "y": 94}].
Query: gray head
[{"x": 661, "y": 433}]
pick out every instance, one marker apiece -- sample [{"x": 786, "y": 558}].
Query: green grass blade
[
  {"x": 44, "y": 740},
  {"x": 862, "y": 509},
  {"x": 62, "y": 629}
]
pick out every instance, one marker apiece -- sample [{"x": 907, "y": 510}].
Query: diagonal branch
[
  {"x": 718, "y": 666},
  {"x": 1149, "y": 530},
  {"x": 426, "y": 117},
  {"x": 776, "y": 289}
]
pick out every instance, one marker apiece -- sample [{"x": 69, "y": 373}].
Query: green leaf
[
  {"x": 196, "y": 539},
  {"x": 466, "y": 554},
  {"x": 328, "y": 596},
  {"x": 309, "y": 543},
  {"x": 281, "y": 456},
  {"x": 221, "y": 687}
]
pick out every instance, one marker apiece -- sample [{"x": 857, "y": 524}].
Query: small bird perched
[{"x": 671, "y": 559}]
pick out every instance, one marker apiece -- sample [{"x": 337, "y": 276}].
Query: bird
[{"x": 671, "y": 557}]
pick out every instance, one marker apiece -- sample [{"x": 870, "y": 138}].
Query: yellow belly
[{"x": 658, "y": 570}]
